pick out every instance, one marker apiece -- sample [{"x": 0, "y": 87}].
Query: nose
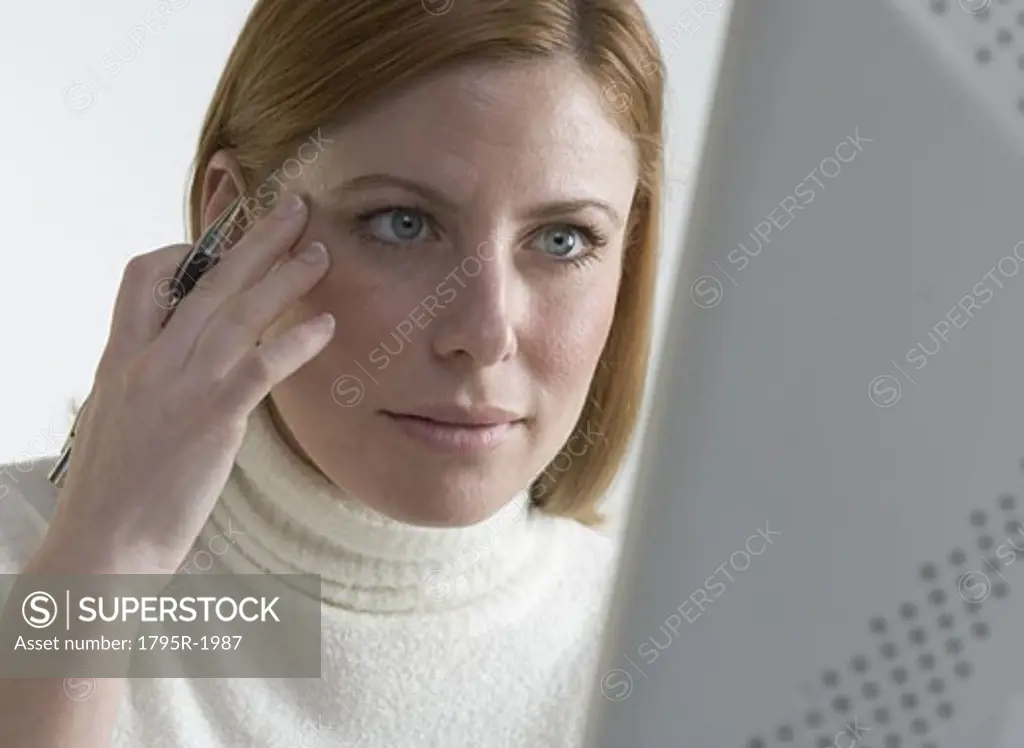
[{"x": 478, "y": 323}]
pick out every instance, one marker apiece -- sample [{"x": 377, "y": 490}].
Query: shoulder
[
  {"x": 27, "y": 503},
  {"x": 595, "y": 549},
  {"x": 573, "y": 622},
  {"x": 589, "y": 562}
]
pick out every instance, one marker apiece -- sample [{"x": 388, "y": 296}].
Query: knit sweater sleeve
[{"x": 27, "y": 502}]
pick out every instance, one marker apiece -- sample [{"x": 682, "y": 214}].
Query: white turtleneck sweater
[{"x": 479, "y": 636}]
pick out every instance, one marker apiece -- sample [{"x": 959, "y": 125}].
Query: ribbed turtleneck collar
[{"x": 280, "y": 515}]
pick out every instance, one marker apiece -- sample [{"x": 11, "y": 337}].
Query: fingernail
[{"x": 314, "y": 253}]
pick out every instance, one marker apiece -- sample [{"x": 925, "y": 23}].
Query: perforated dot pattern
[
  {"x": 1001, "y": 33},
  {"x": 899, "y": 688}
]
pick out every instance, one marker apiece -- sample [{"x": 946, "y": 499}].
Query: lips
[
  {"x": 454, "y": 437},
  {"x": 450, "y": 424},
  {"x": 455, "y": 415}
]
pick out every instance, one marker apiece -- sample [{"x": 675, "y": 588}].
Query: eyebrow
[{"x": 541, "y": 212}]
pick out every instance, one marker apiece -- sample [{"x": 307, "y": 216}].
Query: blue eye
[
  {"x": 562, "y": 241},
  {"x": 397, "y": 225}
]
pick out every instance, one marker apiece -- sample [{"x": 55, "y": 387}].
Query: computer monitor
[{"x": 826, "y": 534}]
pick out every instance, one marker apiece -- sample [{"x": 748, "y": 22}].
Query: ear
[{"x": 222, "y": 183}]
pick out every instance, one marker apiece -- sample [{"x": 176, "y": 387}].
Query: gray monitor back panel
[{"x": 823, "y": 549}]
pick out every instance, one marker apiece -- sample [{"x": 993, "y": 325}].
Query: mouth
[
  {"x": 464, "y": 434},
  {"x": 464, "y": 424}
]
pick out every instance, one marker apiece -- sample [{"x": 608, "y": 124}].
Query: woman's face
[{"x": 475, "y": 225}]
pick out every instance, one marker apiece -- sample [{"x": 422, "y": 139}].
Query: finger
[
  {"x": 236, "y": 327},
  {"x": 265, "y": 366},
  {"x": 143, "y": 300},
  {"x": 242, "y": 266}
]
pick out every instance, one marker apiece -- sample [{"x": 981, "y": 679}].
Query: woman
[{"x": 424, "y": 408}]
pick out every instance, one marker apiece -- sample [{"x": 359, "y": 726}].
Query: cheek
[
  {"x": 366, "y": 307},
  {"x": 571, "y": 328},
  {"x": 371, "y": 305}
]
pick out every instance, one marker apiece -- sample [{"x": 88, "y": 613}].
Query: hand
[{"x": 169, "y": 405}]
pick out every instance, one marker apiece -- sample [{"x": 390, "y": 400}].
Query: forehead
[{"x": 536, "y": 125}]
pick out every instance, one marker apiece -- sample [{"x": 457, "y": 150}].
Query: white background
[{"x": 97, "y": 168}]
